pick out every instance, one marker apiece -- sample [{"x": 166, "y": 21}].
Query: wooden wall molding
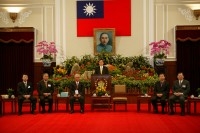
[
  {"x": 188, "y": 27},
  {"x": 17, "y": 29}
]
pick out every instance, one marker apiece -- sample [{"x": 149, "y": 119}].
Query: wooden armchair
[{"x": 119, "y": 90}]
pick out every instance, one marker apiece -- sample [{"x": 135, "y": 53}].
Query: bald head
[{"x": 77, "y": 77}]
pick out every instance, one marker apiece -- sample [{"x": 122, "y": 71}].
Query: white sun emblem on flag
[{"x": 89, "y": 9}]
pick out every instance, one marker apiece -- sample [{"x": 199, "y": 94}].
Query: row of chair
[{"x": 119, "y": 98}]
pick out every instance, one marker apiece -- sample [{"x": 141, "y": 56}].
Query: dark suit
[
  {"x": 160, "y": 88},
  {"x": 104, "y": 71},
  {"x": 0, "y": 106},
  {"x": 183, "y": 88},
  {"x": 25, "y": 90},
  {"x": 42, "y": 88},
  {"x": 81, "y": 92}
]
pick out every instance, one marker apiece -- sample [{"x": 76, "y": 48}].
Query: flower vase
[
  {"x": 46, "y": 62},
  {"x": 159, "y": 62}
]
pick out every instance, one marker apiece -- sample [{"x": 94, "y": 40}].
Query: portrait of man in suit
[
  {"x": 104, "y": 45},
  {"x": 104, "y": 41},
  {"x": 101, "y": 69}
]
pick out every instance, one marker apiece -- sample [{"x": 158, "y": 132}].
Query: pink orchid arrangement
[
  {"x": 160, "y": 49},
  {"x": 47, "y": 49}
]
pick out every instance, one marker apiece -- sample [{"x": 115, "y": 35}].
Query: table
[
  {"x": 13, "y": 102},
  {"x": 144, "y": 99},
  {"x": 195, "y": 100},
  {"x": 100, "y": 101},
  {"x": 59, "y": 99}
]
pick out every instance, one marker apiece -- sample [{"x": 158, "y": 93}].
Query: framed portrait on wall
[{"x": 104, "y": 40}]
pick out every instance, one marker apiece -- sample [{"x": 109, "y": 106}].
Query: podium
[
  {"x": 101, "y": 101},
  {"x": 104, "y": 78}
]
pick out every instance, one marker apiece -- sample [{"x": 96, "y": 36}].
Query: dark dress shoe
[
  {"x": 155, "y": 111},
  {"x": 81, "y": 111},
  {"x": 72, "y": 111},
  {"x": 43, "y": 111},
  {"x": 32, "y": 112},
  {"x": 171, "y": 113},
  {"x": 20, "y": 113},
  {"x": 182, "y": 113}
]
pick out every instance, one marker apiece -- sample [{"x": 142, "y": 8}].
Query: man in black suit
[
  {"x": 45, "y": 90},
  {"x": 180, "y": 90},
  {"x": 101, "y": 69},
  {"x": 77, "y": 92},
  {"x": 25, "y": 91},
  {"x": 0, "y": 106},
  {"x": 161, "y": 92}
]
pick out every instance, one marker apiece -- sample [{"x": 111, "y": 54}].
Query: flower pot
[
  {"x": 100, "y": 93},
  {"x": 159, "y": 62},
  {"x": 46, "y": 62}
]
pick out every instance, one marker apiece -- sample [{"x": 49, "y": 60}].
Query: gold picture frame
[{"x": 104, "y": 40}]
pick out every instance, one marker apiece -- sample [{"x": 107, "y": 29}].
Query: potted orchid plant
[
  {"x": 159, "y": 51},
  {"x": 48, "y": 50}
]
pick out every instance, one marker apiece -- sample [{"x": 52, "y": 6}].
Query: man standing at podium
[{"x": 101, "y": 69}]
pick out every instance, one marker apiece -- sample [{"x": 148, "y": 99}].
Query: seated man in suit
[
  {"x": 77, "y": 92},
  {"x": 101, "y": 69},
  {"x": 0, "y": 106},
  {"x": 45, "y": 90},
  {"x": 180, "y": 90},
  {"x": 25, "y": 91},
  {"x": 161, "y": 91}
]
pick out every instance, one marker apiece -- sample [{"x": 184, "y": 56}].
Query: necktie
[
  {"x": 76, "y": 85},
  {"x": 45, "y": 83},
  {"x": 180, "y": 82},
  {"x": 101, "y": 69},
  {"x": 25, "y": 84}
]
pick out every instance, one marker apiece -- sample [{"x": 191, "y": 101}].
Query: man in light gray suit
[{"x": 180, "y": 90}]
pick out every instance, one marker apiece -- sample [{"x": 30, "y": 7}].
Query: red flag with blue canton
[{"x": 103, "y": 14}]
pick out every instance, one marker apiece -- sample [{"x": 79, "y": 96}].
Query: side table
[
  {"x": 100, "y": 101},
  {"x": 13, "y": 102},
  {"x": 195, "y": 100},
  {"x": 61, "y": 99},
  {"x": 144, "y": 99}
]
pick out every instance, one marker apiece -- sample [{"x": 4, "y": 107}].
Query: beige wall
[
  {"x": 79, "y": 46},
  {"x": 168, "y": 14},
  {"x": 55, "y": 20}
]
